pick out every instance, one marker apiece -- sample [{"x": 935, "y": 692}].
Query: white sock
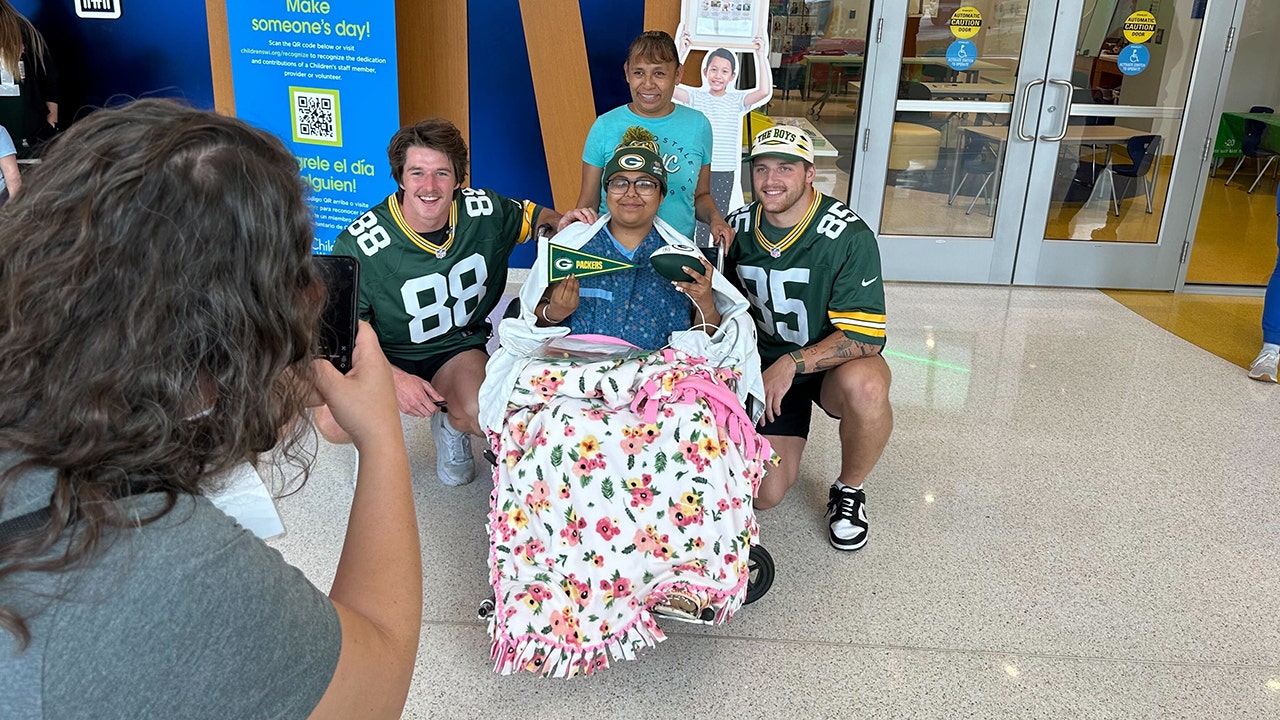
[
  {"x": 1270, "y": 346},
  {"x": 851, "y": 487}
]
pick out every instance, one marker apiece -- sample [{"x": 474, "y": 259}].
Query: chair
[
  {"x": 1143, "y": 151},
  {"x": 936, "y": 73},
  {"x": 979, "y": 158},
  {"x": 911, "y": 90},
  {"x": 1255, "y": 131}
]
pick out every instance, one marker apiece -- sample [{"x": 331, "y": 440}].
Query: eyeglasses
[{"x": 644, "y": 187}]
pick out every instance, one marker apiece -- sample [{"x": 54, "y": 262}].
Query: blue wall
[
  {"x": 506, "y": 138},
  {"x": 507, "y": 153},
  {"x": 155, "y": 49}
]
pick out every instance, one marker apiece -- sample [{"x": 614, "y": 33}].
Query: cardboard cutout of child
[{"x": 725, "y": 107}]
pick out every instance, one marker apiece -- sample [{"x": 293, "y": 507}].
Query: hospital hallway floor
[{"x": 1076, "y": 517}]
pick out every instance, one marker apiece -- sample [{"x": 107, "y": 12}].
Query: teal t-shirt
[{"x": 684, "y": 137}]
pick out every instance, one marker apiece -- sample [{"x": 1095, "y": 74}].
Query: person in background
[
  {"x": 1264, "y": 366},
  {"x": 724, "y": 107},
  {"x": 810, "y": 268},
  {"x": 159, "y": 320},
  {"x": 10, "y": 178},
  {"x": 684, "y": 137},
  {"x": 28, "y": 83}
]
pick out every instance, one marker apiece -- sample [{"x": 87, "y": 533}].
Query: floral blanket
[{"x": 617, "y": 481}]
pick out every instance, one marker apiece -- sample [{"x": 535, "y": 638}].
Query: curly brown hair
[
  {"x": 158, "y": 310},
  {"x": 437, "y": 134}
]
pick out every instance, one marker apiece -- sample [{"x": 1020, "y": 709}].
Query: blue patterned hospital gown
[{"x": 637, "y": 305}]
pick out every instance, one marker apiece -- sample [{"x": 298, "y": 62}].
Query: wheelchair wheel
[{"x": 759, "y": 573}]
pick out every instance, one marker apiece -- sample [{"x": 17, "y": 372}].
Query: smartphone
[
  {"x": 714, "y": 255},
  {"x": 338, "y": 322}
]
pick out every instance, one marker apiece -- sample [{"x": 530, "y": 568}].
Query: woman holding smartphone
[{"x": 159, "y": 311}]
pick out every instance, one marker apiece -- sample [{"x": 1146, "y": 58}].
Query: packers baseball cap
[
  {"x": 638, "y": 152},
  {"x": 783, "y": 141}
]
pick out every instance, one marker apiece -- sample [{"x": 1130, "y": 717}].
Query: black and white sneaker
[{"x": 847, "y": 510}]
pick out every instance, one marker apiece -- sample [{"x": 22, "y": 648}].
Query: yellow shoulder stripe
[
  {"x": 860, "y": 330},
  {"x": 854, "y": 315}
]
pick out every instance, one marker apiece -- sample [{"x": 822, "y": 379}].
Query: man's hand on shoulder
[{"x": 583, "y": 215}]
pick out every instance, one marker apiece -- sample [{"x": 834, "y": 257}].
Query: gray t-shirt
[{"x": 191, "y": 616}]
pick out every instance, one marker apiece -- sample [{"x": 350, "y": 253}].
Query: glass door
[{"x": 1036, "y": 142}]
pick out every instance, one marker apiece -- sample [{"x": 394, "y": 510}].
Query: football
[{"x": 671, "y": 261}]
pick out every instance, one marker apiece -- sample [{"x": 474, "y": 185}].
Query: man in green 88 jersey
[
  {"x": 433, "y": 264},
  {"x": 811, "y": 270}
]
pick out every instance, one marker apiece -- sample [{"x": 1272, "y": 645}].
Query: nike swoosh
[{"x": 868, "y": 282}]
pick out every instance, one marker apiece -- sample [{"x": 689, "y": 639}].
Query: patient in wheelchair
[
  {"x": 627, "y": 298},
  {"x": 627, "y": 460}
]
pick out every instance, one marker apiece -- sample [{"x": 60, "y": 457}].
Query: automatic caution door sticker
[
  {"x": 965, "y": 22},
  {"x": 1139, "y": 27}
]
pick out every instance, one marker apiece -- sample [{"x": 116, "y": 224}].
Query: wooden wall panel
[
  {"x": 431, "y": 42},
  {"x": 662, "y": 15},
  {"x": 562, "y": 86},
  {"x": 224, "y": 97}
]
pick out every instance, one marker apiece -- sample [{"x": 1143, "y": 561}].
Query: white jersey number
[
  {"x": 835, "y": 221},
  {"x": 768, "y": 292},
  {"x": 477, "y": 202},
  {"x": 435, "y": 319},
  {"x": 370, "y": 236}
]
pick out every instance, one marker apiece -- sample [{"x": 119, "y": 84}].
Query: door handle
[
  {"x": 1066, "y": 111},
  {"x": 1022, "y": 117}
]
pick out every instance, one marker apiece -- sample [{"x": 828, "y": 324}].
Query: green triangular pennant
[{"x": 567, "y": 261}]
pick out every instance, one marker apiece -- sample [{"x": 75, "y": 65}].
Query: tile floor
[{"x": 1076, "y": 517}]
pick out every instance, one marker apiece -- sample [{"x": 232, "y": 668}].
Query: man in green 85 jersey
[
  {"x": 433, "y": 264},
  {"x": 811, "y": 269}
]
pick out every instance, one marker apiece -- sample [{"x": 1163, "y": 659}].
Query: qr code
[{"x": 316, "y": 117}]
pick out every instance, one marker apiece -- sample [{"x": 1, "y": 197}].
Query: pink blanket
[{"x": 616, "y": 482}]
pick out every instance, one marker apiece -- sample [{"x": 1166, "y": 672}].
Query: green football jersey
[
  {"x": 806, "y": 282},
  {"x": 423, "y": 299}
]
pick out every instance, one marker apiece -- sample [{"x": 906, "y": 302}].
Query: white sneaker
[
  {"x": 1264, "y": 366},
  {"x": 454, "y": 464},
  {"x": 686, "y": 605}
]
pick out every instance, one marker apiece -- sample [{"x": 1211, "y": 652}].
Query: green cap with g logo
[{"x": 638, "y": 152}]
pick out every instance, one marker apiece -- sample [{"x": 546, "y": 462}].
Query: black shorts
[
  {"x": 427, "y": 367},
  {"x": 797, "y": 407}
]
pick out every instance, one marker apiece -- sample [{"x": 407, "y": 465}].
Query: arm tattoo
[{"x": 845, "y": 349}]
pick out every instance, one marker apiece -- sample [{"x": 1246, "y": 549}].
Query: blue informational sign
[
  {"x": 961, "y": 54},
  {"x": 321, "y": 74},
  {"x": 1133, "y": 59}
]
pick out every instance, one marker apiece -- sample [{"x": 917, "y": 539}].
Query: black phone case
[{"x": 339, "y": 321}]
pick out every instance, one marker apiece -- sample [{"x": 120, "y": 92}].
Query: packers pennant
[{"x": 567, "y": 261}]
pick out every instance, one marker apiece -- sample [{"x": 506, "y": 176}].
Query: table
[
  {"x": 833, "y": 63},
  {"x": 956, "y": 91},
  {"x": 970, "y": 75},
  {"x": 1076, "y": 134},
  {"x": 970, "y": 90}
]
